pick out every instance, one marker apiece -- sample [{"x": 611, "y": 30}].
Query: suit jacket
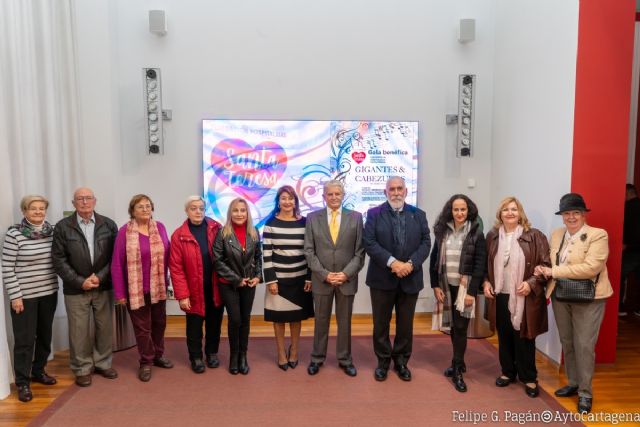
[
  {"x": 586, "y": 259},
  {"x": 379, "y": 244},
  {"x": 323, "y": 256}
]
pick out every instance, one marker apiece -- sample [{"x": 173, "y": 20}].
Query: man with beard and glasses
[{"x": 396, "y": 237}]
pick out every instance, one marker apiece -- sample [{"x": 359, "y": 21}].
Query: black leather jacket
[
  {"x": 233, "y": 263},
  {"x": 70, "y": 253}
]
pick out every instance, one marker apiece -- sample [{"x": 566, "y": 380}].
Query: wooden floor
[{"x": 616, "y": 387}]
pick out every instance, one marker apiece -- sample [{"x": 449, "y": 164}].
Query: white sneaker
[
  {"x": 637, "y": 312},
  {"x": 622, "y": 313}
]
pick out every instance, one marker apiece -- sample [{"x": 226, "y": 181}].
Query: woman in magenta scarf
[{"x": 139, "y": 274}]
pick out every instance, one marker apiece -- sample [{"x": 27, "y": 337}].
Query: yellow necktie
[{"x": 333, "y": 227}]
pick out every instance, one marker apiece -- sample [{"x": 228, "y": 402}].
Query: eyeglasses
[
  {"x": 143, "y": 207},
  {"x": 84, "y": 199}
]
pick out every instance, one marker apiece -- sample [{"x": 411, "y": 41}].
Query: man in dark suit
[
  {"x": 396, "y": 237},
  {"x": 630, "y": 245},
  {"x": 334, "y": 253}
]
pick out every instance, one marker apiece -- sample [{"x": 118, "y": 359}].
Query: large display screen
[{"x": 253, "y": 158}]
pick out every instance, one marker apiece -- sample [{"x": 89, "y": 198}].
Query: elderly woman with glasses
[
  {"x": 578, "y": 252},
  {"x": 32, "y": 286},
  {"x": 195, "y": 282},
  {"x": 139, "y": 271}
]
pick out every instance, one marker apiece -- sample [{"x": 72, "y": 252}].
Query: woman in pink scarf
[
  {"x": 139, "y": 274},
  {"x": 518, "y": 305}
]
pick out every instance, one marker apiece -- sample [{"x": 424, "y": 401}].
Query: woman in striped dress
[
  {"x": 32, "y": 286},
  {"x": 288, "y": 297}
]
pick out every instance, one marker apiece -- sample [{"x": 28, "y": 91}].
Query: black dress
[{"x": 284, "y": 262}]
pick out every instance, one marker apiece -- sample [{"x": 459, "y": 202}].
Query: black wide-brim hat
[{"x": 572, "y": 202}]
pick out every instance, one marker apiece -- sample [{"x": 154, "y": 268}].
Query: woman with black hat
[{"x": 578, "y": 252}]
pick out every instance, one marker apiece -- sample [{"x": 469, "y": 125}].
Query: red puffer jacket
[{"x": 185, "y": 265}]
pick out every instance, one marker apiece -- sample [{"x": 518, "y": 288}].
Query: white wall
[
  {"x": 533, "y": 106},
  {"x": 285, "y": 59},
  {"x": 278, "y": 59}
]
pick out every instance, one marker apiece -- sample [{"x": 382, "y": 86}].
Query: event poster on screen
[{"x": 253, "y": 158}]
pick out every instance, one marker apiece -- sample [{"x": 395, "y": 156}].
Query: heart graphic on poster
[
  {"x": 359, "y": 156},
  {"x": 249, "y": 171}
]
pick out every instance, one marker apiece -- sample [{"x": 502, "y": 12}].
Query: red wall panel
[{"x": 601, "y": 126}]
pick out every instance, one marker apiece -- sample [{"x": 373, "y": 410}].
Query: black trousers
[
  {"x": 238, "y": 303},
  {"x": 459, "y": 328},
  {"x": 32, "y": 334},
  {"x": 630, "y": 264},
  {"x": 517, "y": 355},
  {"x": 382, "y": 304},
  {"x": 212, "y": 322}
]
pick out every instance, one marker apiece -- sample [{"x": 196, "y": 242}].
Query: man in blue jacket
[{"x": 396, "y": 238}]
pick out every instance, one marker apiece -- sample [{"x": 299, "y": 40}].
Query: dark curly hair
[{"x": 440, "y": 228}]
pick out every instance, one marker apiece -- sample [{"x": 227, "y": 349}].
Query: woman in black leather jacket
[
  {"x": 238, "y": 261},
  {"x": 457, "y": 268}
]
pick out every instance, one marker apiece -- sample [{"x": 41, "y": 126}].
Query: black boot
[
  {"x": 243, "y": 366},
  {"x": 233, "y": 364},
  {"x": 457, "y": 379}
]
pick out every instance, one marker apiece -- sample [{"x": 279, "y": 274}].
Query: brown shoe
[
  {"x": 43, "y": 378},
  {"x": 83, "y": 380},
  {"x": 163, "y": 362},
  {"x": 109, "y": 373},
  {"x": 144, "y": 373}
]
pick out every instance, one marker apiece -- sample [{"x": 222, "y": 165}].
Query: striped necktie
[{"x": 333, "y": 227}]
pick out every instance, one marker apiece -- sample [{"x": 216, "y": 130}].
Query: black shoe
[
  {"x": 243, "y": 365},
  {"x": 567, "y": 391},
  {"x": 458, "y": 381},
  {"x": 314, "y": 368},
  {"x": 43, "y": 378},
  {"x": 349, "y": 370},
  {"x": 212, "y": 361},
  {"x": 163, "y": 362},
  {"x": 403, "y": 372},
  {"x": 292, "y": 363},
  {"x": 233, "y": 364},
  {"x": 197, "y": 366},
  {"x": 584, "y": 404},
  {"x": 24, "y": 393},
  {"x": 380, "y": 374},
  {"x": 284, "y": 366},
  {"x": 532, "y": 391},
  {"x": 501, "y": 381},
  {"x": 449, "y": 371}
]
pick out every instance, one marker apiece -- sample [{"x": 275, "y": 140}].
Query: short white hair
[
  {"x": 333, "y": 183},
  {"x": 191, "y": 199}
]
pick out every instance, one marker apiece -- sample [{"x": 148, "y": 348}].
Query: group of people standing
[
  {"x": 516, "y": 269},
  {"x": 306, "y": 264}
]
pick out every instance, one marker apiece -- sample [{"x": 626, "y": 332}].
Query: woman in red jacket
[{"x": 194, "y": 283}]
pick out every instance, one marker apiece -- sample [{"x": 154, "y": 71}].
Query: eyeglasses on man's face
[{"x": 85, "y": 199}]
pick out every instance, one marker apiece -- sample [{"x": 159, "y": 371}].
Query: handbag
[{"x": 574, "y": 290}]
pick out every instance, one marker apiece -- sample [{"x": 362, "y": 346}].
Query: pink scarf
[
  {"x": 516, "y": 273},
  {"x": 134, "y": 265}
]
